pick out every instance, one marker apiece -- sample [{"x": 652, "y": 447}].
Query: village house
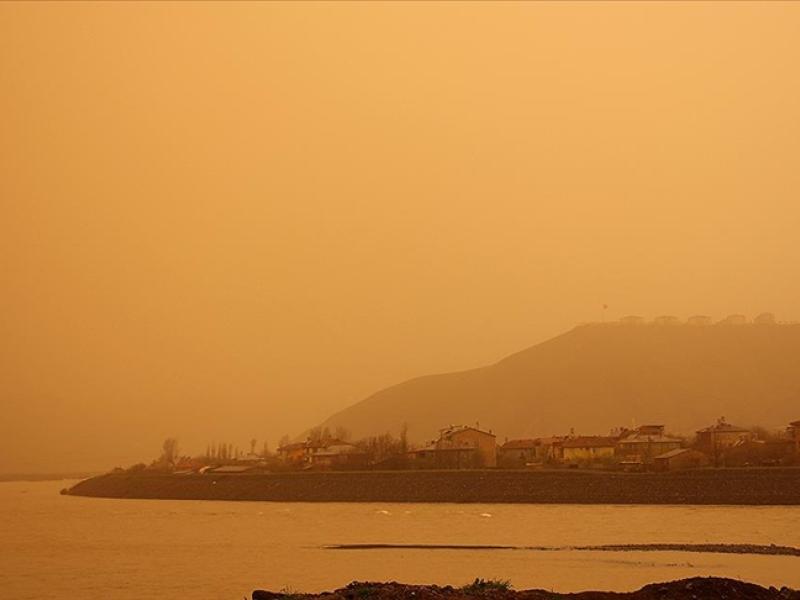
[
  {"x": 769, "y": 452},
  {"x": 532, "y": 451},
  {"x": 719, "y": 438},
  {"x": 332, "y": 454},
  {"x": 722, "y": 435},
  {"x": 680, "y": 458},
  {"x": 550, "y": 449},
  {"x": 587, "y": 449},
  {"x": 517, "y": 453},
  {"x": 432, "y": 457},
  {"x": 325, "y": 453},
  {"x": 645, "y": 443},
  {"x": 293, "y": 454},
  {"x": 458, "y": 447}
]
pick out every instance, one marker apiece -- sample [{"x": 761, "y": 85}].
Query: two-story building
[
  {"x": 722, "y": 435},
  {"x": 645, "y": 443},
  {"x": 585, "y": 449},
  {"x": 716, "y": 440},
  {"x": 458, "y": 447},
  {"x": 293, "y": 454},
  {"x": 517, "y": 453},
  {"x": 324, "y": 453}
]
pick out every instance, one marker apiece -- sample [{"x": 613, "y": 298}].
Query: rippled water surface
[{"x": 87, "y": 548}]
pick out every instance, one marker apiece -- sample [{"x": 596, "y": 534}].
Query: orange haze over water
[{"x": 225, "y": 221}]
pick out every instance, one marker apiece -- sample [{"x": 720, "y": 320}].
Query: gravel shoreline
[
  {"x": 770, "y": 549},
  {"x": 753, "y": 486}
]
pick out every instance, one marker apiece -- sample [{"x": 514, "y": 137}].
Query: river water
[{"x": 89, "y": 548}]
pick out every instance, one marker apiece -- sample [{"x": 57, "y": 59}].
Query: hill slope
[{"x": 595, "y": 377}]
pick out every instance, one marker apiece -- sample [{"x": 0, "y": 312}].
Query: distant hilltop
[{"x": 600, "y": 376}]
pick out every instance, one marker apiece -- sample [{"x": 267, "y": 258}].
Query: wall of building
[
  {"x": 690, "y": 459},
  {"x": 587, "y": 453},
  {"x": 484, "y": 442}
]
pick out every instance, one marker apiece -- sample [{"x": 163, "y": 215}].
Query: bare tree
[
  {"x": 342, "y": 433},
  {"x": 315, "y": 435},
  {"x": 169, "y": 451},
  {"x": 404, "y": 438}
]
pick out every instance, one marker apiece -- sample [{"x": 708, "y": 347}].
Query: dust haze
[{"x": 230, "y": 223}]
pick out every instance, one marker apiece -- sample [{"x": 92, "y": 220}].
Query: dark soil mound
[{"x": 697, "y": 588}]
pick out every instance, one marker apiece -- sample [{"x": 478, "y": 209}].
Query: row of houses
[
  {"x": 323, "y": 454},
  {"x": 649, "y": 447},
  {"x": 458, "y": 447},
  {"x": 628, "y": 448},
  {"x": 645, "y": 447}
]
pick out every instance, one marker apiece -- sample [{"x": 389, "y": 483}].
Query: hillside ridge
[{"x": 598, "y": 376}]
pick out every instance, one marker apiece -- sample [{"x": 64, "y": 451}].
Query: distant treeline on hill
[{"x": 765, "y": 318}]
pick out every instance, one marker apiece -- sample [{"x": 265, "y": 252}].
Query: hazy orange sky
[{"x": 225, "y": 221}]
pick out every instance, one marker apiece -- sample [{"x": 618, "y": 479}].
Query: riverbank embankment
[{"x": 757, "y": 486}]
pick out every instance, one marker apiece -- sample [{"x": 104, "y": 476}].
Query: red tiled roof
[
  {"x": 454, "y": 429},
  {"x": 549, "y": 441},
  {"x": 290, "y": 447},
  {"x": 723, "y": 427},
  {"x": 520, "y": 444}
]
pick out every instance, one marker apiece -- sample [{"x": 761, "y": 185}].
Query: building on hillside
[
  {"x": 699, "y": 320},
  {"x": 680, "y": 458},
  {"x": 583, "y": 449},
  {"x": 645, "y": 443},
  {"x": 632, "y": 320},
  {"x": 458, "y": 447},
  {"x": 734, "y": 320},
  {"x": 766, "y": 318}
]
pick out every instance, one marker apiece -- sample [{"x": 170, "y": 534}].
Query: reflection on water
[{"x": 124, "y": 549}]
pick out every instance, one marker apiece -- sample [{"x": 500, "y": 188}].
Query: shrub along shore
[{"x": 749, "y": 486}]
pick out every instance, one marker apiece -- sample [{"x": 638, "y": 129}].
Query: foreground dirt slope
[{"x": 697, "y": 588}]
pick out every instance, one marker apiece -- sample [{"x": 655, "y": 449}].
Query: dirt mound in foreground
[{"x": 697, "y": 588}]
